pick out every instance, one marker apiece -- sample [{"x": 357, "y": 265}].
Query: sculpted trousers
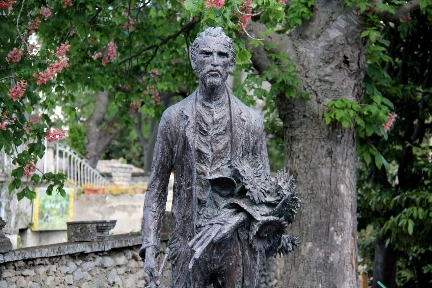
[
  {"x": 230, "y": 263},
  {"x": 220, "y": 265}
]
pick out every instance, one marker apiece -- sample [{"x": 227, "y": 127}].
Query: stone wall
[{"x": 112, "y": 263}]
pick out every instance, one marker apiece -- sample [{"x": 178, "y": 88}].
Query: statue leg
[{"x": 229, "y": 265}]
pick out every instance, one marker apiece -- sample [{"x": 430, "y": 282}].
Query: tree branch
[
  {"x": 401, "y": 12},
  {"x": 164, "y": 41}
]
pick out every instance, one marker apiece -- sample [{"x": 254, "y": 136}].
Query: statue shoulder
[
  {"x": 251, "y": 113},
  {"x": 178, "y": 109}
]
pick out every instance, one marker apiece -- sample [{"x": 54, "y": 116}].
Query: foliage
[
  {"x": 125, "y": 145},
  {"x": 54, "y": 50},
  {"x": 76, "y": 137},
  {"x": 394, "y": 199}
]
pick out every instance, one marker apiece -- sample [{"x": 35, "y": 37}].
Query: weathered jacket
[{"x": 175, "y": 152}]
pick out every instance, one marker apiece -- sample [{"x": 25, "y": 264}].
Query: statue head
[{"x": 213, "y": 56}]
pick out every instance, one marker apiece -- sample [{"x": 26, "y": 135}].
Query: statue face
[{"x": 213, "y": 62}]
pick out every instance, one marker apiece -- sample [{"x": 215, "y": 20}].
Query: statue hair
[{"x": 216, "y": 32}]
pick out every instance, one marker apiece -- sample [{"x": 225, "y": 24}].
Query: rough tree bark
[
  {"x": 98, "y": 139},
  {"x": 330, "y": 55}
]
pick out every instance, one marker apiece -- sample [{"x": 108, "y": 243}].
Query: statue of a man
[{"x": 224, "y": 215}]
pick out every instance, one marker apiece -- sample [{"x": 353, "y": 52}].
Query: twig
[
  {"x": 256, "y": 14},
  {"x": 401, "y": 12},
  {"x": 244, "y": 29},
  {"x": 17, "y": 24},
  {"x": 164, "y": 41}
]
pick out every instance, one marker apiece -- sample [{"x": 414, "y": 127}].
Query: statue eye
[
  {"x": 223, "y": 55},
  {"x": 206, "y": 53}
]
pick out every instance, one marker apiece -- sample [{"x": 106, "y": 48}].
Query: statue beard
[{"x": 212, "y": 82}]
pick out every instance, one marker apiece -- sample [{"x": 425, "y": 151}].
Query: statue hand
[
  {"x": 230, "y": 225},
  {"x": 151, "y": 274}
]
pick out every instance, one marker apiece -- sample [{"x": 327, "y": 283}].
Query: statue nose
[{"x": 215, "y": 60}]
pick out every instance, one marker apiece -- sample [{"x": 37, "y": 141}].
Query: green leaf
[
  {"x": 410, "y": 226},
  {"x": 360, "y": 122},
  {"x": 35, "y": 178},
  {"x": 192, "y": 6},
  {"x": 27, "y": 193}
]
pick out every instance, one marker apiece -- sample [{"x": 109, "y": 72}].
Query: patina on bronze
[{"x": 227, "y": 211}]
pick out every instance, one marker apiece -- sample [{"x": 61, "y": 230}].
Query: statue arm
[{"x": 157, "y": 188}]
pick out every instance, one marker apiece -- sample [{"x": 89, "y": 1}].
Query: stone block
[
  {"x": 5, "y": 243},
  {"x": 40, "y": 269},
  {"x": 28, "y": 272},
  {"x": 69, "y": 279},
  {"x": 87, "y": 266},
  {"x": 119, "y": 259},
  {"x": 72, "y": 267},
  {"x": 49, "y": 280},
  {"x": 32, "y": 284},
  {"x": 7, "y": 274},
  {"x": 84, "y": 231},
  {"x": 121, "y": 270},
  {"x": 78, "y": 275},
  {"x": 107, "y": 262}
]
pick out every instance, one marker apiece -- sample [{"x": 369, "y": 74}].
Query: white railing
[
  {"x": 60, "y": 158},
  {"x": 76, "y": 168}
]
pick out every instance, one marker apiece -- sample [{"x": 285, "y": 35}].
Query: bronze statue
[{"x": 227, "y": 211}]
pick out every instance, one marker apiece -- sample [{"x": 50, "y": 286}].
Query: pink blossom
[
  {"x": 72, "y": 32},
  {"x": 18, "y": 90},
  {"x": 214, "y": 3},
  {"x": 61, "y": 51},
  {"x": 32, "y": 50},
  {"x": 14, "y": 55},
  {"x": 105, "y": 61},
  {"x": 29, "y": 169},
  {"x": 282, "y": 1},
  {"x": 129, "y": 25},
  {"x": 46, "y": 12},
  {"x": 134, "y": 106},
  {"x": 154, "y": 94},
  {"x": 67, "y": 3},
  {"x": 5, "y": 121},
  {"x": 33, "y": 119},
  {"x": 112, "y": 51},
  {"x": 154, "y": 73},
  {"x": 6, "y": 4},
  {"x": 245, "y": 16},
  {"x": 34, "y": 25},
  {"x": 54, "y": 135},
  {"x": 56, "y": 67},
  {"x": 97, "y": 55},
  {"x": 390, "y": 121}
]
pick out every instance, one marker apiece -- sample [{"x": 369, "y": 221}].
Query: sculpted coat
[{"x": 175, "y": 152}]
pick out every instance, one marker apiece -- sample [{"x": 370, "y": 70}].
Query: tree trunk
[
  {"x": 146, "y": 144},
  {"x": 97, "y": 140},
  {"x": 385, "y": 263},
  {"x": 330, "y": 56},
  {"x": 150, "y": 146}
]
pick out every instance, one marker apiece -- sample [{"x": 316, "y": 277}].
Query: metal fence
[{"x": 58, "y": 158}]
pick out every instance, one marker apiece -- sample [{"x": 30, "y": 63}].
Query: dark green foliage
[
  {"x": 76, "y": 137},
  {"x": 126, "y": 145},
  {"x": 395, "y": 200}
]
